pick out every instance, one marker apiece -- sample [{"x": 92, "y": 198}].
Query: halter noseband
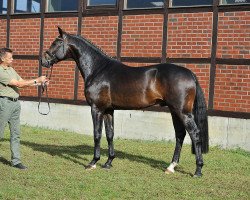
[{"x": 53, "y": 59}]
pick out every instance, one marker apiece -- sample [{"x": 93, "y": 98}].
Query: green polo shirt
[{"x": 6, "y": 75}]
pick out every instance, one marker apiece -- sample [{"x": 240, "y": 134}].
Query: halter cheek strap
[{"x": 53, "y": 58}]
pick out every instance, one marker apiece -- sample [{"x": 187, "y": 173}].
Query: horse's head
[{"x": 59, "y": 50}]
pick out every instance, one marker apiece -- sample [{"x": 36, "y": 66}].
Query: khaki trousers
[{"x": 10, "y": 113}]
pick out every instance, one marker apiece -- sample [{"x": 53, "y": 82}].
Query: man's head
[{"x": 6, "y": 56}]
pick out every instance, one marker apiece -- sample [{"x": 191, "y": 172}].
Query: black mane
[{"x": 91, "y": 45}]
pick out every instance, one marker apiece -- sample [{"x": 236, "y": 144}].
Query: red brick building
[{"x": 212, "y": 38}]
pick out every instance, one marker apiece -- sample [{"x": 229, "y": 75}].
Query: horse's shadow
[{"x": 74, "y": 154}]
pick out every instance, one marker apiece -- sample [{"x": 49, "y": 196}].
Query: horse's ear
[{"x": 61, "y": 32}]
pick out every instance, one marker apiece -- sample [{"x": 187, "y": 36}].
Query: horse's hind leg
[
  {"x": 180, "y": 134},
  {"x": 109, "y": 128},
  {"x": 97, "y": 117},
  {"x": 192, "y": 129}
]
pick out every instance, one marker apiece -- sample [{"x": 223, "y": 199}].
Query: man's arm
[{"x": 24, "y": 83}]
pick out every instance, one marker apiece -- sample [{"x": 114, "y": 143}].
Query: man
[{"x": 10, "y": 107}]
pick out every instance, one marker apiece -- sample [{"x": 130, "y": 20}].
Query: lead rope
[{"x": 42, "y": 89}]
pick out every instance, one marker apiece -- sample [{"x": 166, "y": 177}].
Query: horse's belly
[{"x": 133, "y": 102}]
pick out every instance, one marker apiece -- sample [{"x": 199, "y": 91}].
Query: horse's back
[{"x": 138, "y": 87}]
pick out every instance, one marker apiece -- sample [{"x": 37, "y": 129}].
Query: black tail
[{"x": 200, "y": 117}]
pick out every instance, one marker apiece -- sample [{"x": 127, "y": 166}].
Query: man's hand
[{"x": 42, "y": 79}]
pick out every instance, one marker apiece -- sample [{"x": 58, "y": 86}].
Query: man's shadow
[{"x": 5, "y": 161}]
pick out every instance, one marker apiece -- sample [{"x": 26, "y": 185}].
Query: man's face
[{"x": 7, "y": 59}]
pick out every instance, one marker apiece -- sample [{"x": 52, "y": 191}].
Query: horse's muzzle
[{"x": 45, "y": 63}]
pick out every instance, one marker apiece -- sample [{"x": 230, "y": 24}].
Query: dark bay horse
[{"x": 110, "y": 85}]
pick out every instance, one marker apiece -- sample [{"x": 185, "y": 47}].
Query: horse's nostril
[{"x": 43, "y": 62}]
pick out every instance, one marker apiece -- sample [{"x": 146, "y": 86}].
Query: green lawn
[{"x": 56, "y": 162}]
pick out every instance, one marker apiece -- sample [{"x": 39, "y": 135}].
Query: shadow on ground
[{"x": 74, "y": 154}]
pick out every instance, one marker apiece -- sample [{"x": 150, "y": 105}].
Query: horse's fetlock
[{"x": 96, "y": 158}]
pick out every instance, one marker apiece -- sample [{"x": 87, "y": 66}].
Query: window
[
  {"x": 228, "y": 2},
  {"x": 131, "y": 4},
  {"x": 27, "y": 6},
  {"x": 3, "y": 7},
  {"x": 101, "y": 2},
  {"x": 62, "y": 5},
  {"x": 177, "y": 3}
]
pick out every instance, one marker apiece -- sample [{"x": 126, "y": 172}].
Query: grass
[{"x": 56, "y": 162}]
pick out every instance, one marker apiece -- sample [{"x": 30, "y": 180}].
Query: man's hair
[{"x": 3, "y": 52}]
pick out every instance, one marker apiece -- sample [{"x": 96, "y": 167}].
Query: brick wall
[
  {"x": 232, "y": 83},
  {"x": 189, "y": 35},
  {"x": 27, "y": 69},
  {"x": 142, "y": 36},
  {"x": 234, "y": 35},
  {"x": 102, "y": 31},
  {"x": 62, "y": 81},
  {"x": 68, "y": 24},
  {"x": 3, "y": 36},
  {"x": 232, "y": 88},
  {"x": 25, "y": 36}
]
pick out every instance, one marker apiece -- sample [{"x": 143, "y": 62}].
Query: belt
[{"x": 9, "y": 98}]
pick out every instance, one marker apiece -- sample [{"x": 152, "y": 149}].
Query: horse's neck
[{"x": 90, "y": 62}]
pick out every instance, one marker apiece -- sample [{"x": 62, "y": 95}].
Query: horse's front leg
[
  {"x": 109, "y": 128},
  {"x": 97, "y": 117}
]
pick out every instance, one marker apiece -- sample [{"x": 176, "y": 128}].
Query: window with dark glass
[
  {"x": 229, "y": 2},
  {"x": 27, "y": 6},
  {"x": 3, "y": 6},
  {"x": 62, "y": 5},
  {"x": 177, "y": 3},
  {"x": 133, "y": 4},
  {"x": 102, "y": 2}
]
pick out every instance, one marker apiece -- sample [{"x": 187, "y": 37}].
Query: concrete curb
[{"x": 145, "y": 125}]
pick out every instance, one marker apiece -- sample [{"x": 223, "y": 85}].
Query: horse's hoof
[
  {"x": 169, "y": 171},
  {"x": 107, "y": 166},
  {"x": 197, "y": 175},
  {"x": 90, "y": 167}
]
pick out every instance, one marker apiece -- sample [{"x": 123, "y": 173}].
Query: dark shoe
[{"x": 20, "y": 166}]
